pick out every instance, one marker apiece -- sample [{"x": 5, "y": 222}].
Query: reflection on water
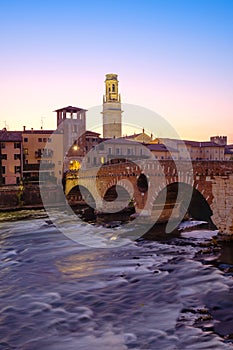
[
  {"x": 56, "y": 294},
  {"x": 80, "y": 265}
]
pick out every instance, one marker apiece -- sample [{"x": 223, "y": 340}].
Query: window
[
  {"x": 25, "y": 151},
  {"x": 3, "y": 170},
  {"x": 4, "y": 156},
  {"x": 109, "y": 150},
  {"x": 17, "y": 145},
  {"x": 38, "y": 153},
  {"x": 94, "y": 160},
  {"x": 118, "y": 151},
  {"x": 44, "y": 139},
  {"x": 49, "y": 139},
  {"x": 40, "y": 139},
  {"x": 16, "y": 156},
  {"x": 17, "y": 169},
  {"x": 128, "y": 151},
  {"x": 25, "y": 139},
  {"x": 3, "y": 181},
  {"x": 75, "y": 129},
  {"x": 3, "y": 145},
  {"x": 113, "y": 87}
]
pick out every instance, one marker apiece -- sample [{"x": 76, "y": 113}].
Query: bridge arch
[
  {"x": 142, "y": 183},
  {"x": 81, "y": 195},
  {"x": 120, "y": 196},
  {"x": 116, "y": 191},
  {"x": 196, "y": 207}
]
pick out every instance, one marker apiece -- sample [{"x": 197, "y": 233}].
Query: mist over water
[{"x": 57, "y": 294}]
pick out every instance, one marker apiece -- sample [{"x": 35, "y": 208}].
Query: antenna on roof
[
  {"x": 42, "y": 123},
  {"x": 6, "y": 127}
]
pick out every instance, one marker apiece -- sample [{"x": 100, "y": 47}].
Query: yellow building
[
  {"x": 42, "y": 151},
  {"x": 140, "y": 137}
]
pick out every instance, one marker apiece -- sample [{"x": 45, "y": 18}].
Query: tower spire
[{"x": 111, "y": 108}]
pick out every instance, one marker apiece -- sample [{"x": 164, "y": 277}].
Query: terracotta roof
[
  {"x": 132, "y": 136},
  {"x": 229, "y": 149},
  {"x": 202, "y": 144},
  {"x": 70, "y": 109},
  {"x": 122, "y": 141},
  {"x": 160, "y": 147},
  {"x": 191, "y": 143},
  {"x": 10, "y": 136},
  {"x": 91, "y": 133},
  {"x": 42, "y": 132}
]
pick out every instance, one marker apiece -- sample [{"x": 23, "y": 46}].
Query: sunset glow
[{"x": 172, "y": 57}]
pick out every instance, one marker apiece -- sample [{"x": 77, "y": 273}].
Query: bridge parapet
[{"x": 212, "y": 179}]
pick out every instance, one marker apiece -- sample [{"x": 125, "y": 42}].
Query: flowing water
[{"x": 57, "y": 294}]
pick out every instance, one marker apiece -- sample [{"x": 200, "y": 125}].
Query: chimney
[
  {"x": 24, "y": 128},
  {"x": 31, "y": 129}
]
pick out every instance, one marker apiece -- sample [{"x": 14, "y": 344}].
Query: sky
[{"x": 173, "y": 57}]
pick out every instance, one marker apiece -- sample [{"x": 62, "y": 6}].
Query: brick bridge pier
[{"x": 163, "y": 190}]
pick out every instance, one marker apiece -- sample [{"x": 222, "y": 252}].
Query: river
[{"x": 57, "y": 294}]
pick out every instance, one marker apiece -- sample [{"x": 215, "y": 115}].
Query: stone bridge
[{"x": 162, "y": 190}]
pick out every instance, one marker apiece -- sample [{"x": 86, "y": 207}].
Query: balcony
[
  {"x": 37, "y": 167},
  {"x": 44, "y": 154}
]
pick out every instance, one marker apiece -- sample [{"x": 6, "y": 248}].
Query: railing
[
  {"x": 43, "y": 154},
  {"x": 37, "y": 167}
]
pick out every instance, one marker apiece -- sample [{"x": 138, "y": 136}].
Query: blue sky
[{"x": 173, "y": 57}]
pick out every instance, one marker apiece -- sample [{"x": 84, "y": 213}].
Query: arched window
[{"x": 113, "y": 87}]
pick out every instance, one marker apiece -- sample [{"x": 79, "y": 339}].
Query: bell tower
[{"x": 111, "y": 108}]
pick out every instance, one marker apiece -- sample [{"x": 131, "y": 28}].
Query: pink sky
[{"x": 175, "y": 60}]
